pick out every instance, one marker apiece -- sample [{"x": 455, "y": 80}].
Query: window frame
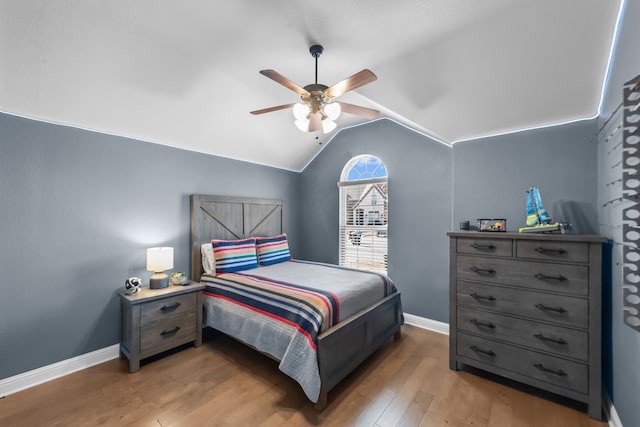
[{"x": 363, "y": 245}]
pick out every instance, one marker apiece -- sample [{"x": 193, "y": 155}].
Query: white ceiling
[{"x": 185, "y": 73}]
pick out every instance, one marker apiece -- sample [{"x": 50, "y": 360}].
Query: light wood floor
[{"x": 406, "y": 383}]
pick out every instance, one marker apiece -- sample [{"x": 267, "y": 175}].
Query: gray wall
[
  {"x": 78, "y": 211},
  {"x": 625, "y": 341},
  {"x": 419, "y": 170},
  {"x": 491, "y": 175}
]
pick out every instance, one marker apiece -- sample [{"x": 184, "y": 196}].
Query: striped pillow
[
  {"x": 272, "y": 250},
  {"x": 234, "y": 255}
]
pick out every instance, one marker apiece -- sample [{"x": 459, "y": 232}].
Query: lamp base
[{"x": 159, "y": 281}]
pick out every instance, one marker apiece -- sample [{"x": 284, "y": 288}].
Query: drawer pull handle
[
  {"x": 484, "y": 324},
  {"x": 482, "y": 247},
  {"x": 543, "y": 250},
  {"x": 558, "y": 372},
  {"x": 482, "y": 270},
  {"x": 554, "y": 340},
  {"x": 166, "y": 308},
  {"x": 171, "y": 332},
  {"x": 547, "y": 308},
  {"x": 482, "y": 351},
  {"x": 559, "y": 277},
  {"x": 476, "y": 296}
]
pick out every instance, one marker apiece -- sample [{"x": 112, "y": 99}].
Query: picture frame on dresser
[{"x": 528, "y": 307}]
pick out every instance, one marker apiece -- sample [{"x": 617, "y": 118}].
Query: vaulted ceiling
[{"x": 185, "y": 73}]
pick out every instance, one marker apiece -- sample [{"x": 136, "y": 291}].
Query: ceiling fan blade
[
  {"x": 315, "y": 122},
  {"x": 368, "y": 113},
  {"x": 358, "y": 79},
  {"x": 279, "y": 78},
  {"x": 270, "y": 109}
]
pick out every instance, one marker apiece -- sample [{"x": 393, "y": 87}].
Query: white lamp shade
[
  {"x": 159, "y": 259},
  {"x": 332, "y": 110},
  {"x": 301, "y": 111},
  {"x": 328, "y": 125}
]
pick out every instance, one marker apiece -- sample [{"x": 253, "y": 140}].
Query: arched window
[{"x": 364, "y": 214}]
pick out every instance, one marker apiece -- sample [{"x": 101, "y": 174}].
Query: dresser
[
  {"x": 156, "y": 320},
  {"x": 527, "y": 307}
]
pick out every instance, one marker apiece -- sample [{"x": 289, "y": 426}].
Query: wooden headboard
[{"x": 224, "y": 217}]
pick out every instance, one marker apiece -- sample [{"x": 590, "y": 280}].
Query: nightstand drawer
[
  {"x": 154, "y": 311},
  {"x": 549, "y": 369},
  {"x": 171, "y": 330},
  {"x": 491, "y": 247},
  {"x": 553, "y": 251},
  {"x": 534, "y": 305},
  {"x": 540, "y": 336}
]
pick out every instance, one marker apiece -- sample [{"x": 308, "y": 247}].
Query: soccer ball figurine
[{"x": 133, "y": 285}]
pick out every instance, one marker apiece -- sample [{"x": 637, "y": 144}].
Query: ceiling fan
[{"x": 317, "y": 110}]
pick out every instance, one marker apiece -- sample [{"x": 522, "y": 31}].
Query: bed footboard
[{"x": 342, "y": 348}]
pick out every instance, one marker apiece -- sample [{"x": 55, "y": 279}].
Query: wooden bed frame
[{"x": 341, "y": 348}]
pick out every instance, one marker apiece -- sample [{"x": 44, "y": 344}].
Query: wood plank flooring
[{"x": 223, "y": 383}]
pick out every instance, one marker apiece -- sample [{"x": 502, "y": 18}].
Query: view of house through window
[{"x": 364, "y": 214}]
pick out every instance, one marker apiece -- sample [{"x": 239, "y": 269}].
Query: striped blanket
[{"x": 281, "y": 309}]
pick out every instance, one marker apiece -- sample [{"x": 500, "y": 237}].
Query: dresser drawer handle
[
  {"x": 170, "y": 332},
  {"x": 554, "y": 340},
  {"x": 482, "y": 247},
  {"x": 543, "y": 250},
  {"x": 482, "y": 351},
  {"x": 559, "y": 277},
  {"x": 482, "y": 270},
  {"x": 476, "y": 296},
  {"x": 166, "y": 308},
  {"x": 558, "y": 372},
  {"x": 547, "y": 308},
  {"x": 483, "y": 324}
]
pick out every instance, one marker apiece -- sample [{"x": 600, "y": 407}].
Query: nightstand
[{"x": 156, "y": 320}]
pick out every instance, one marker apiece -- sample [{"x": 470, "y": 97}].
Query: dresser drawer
[
  {"x": 566, "y": 278},
  {"x": 533, "y": 305},
  {"x": 540, "y": 336},
  {"x": 158, "y": 310},
  {"x": 549, "y": 369},
  {"x": 168, "y": 331},
  {"x": 553, "y": 251},
  {"x": 491, "y": 247}
]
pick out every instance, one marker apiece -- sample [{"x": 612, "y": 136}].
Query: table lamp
[{"x": 159, "y": 260}]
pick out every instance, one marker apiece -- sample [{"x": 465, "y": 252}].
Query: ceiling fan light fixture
[
  {"x": 332, "y": 110},
  {"x": 328, "y": 125},
  {"x": 301, "y": 111},
  {"x": 316, "y": 111},
  {"x": 302, "y": 124}
]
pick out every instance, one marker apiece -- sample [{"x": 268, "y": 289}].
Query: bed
[{"x": 324, "y": 347}]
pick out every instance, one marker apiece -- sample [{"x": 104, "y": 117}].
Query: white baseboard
[
  {"x": 424, "y": 323},
  {"x": 56, "y": 370},
  {"x": 610, "y": 412}
]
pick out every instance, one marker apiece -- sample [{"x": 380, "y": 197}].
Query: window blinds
[{"x": 363, "y": 224}]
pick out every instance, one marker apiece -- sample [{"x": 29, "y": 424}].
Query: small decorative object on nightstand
[
  {"x": 156, "y": 320},
  {"x": 179, "y": 278}
]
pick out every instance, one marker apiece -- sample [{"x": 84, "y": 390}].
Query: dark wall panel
[{"x": 624, "y": 385}]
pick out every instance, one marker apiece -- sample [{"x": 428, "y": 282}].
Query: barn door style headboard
[{"x": 224, "y": 217}]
